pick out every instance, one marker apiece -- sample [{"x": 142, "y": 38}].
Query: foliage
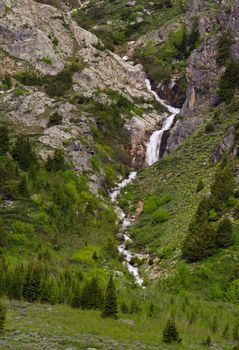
[
  {"x": 4, "y": 140},
  {"x": 3, "y": 310},
  {"x": 170, "y": 333},
  {"x": 55, "y": 119},
  {"x": 229, "y": 82},
  {"x": 23, "y": 152},
  {"x": 110, "y": 302},
  {"x": 224, "y": 47}
]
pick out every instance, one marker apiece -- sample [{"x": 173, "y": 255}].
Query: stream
[{"x": 152, "y": 156}]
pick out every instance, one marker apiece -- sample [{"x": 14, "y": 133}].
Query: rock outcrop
[{"x": 203, "y": 72}]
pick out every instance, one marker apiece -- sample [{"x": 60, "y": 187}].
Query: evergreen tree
[
  {"x": 170, "y": 333},
  {"x": 224, "y": 233},
  {"x": 23, "y": 152},
  {"x": 31, "y": 287},
  {"x": 224, "y": 48},
  {"x": 23, "y": 189},
  {"x": 91, "y": 297},
  {"x": 4, "y": 140},
  {"x": 3, "y": 311},
  {"x": 110, "y": 303},
  {"x": 200, "y": 186},
  {"x": 57, "y": 162},
  {"x": 45, "y": 289},
  {"x": 193, "y": 37},
  {"x": 199, "y": 244},
  {"x": 15, "y": 289},
  {"x": 76, "y": 300}
]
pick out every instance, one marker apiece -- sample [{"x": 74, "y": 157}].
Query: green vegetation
[
  {"x": 3, "y": 310},
  {"x": 55, "y": 86},
  {"x": 228, "y": 83},
  {"x": 224, "y": 48},
  {"x": 55, "y": 119},
  {"x": 125, "y": 19},
  {"x": 203, "y": 236},
  {"x": 170, "y": 333},
  {"x": 110, "y": 303}
]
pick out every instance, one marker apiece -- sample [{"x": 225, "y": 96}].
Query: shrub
[
  {"x": 55, "y": 119},
  {"x": 229, "y": 81},
  {"x": 224, "y": 233},
  {"x": 23, "y": 152},
  {"x": 160, "y": 216},
  {"x": 170, "y": 333},
  {"x": 30, "y": 78},
  {"x": 59, "y": 84},
  {"x": 224, "y": 47},
  {"x": 46, "y": 60},
  {"x": 3, "y": 310},
  {"x": 200, "y": 186},
  {"x": 4, "y": 140}
]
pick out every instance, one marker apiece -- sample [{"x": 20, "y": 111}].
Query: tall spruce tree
[
  {"x": 170, "y": 333},
  {"x": 110, "y": 303},
  {"x": 224, "y": 233},
  {"x": 15, "y": 289},
  {"x": 23, "y": 152},
  {"x": 4, "y": 140},
  {"x": 31, "y": 287},
  {"x": 3, "y": 310}
]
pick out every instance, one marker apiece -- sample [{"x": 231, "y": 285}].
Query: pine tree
[
  {"x": 200, "y": 243},
  {"x": 23, "y": 189},
  {"x": 170, "y": 333},
  {"x": 3, "y": 311},
  {"x": 23, "y": 152},
  {"x": 224, "y": 233},
  {"x": 31, "y": 287},
  {"x": 92, "y": 297},
  {"x": 76, "y": 300},
  {"x": 57, "y": 162},
  {"x": 200, "y": 186},
  {"x": 15, "y": 289},
  {"x": 4, "y": 140},
  {"x": 110, "y": 303}
]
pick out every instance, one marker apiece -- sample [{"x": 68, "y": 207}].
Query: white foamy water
[
  {"x": 126, "y": 222},
  {"x": 152, "y": 156},
  {"x": 153, "y": 146}
]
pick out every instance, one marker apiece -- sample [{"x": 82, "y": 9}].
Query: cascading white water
[
  {"x": 125, "y": 223},
  {"x": 153, "y": 146},
  {"x": 152, "y": 156}
]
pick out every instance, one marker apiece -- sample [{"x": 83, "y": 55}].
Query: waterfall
[
  {"x": 153, "y": 146},
  {"x": 152, "y": 156},
  {"x": 128, "y": 256}
]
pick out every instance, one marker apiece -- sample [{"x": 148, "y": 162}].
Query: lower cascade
[
  {"x": 154, "y": 144},
  {"x": 152, "y": 156}
]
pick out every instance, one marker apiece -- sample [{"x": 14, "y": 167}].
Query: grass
[
  {"x": 177, "y": 176},
  {"x": 195, "y": 320}
]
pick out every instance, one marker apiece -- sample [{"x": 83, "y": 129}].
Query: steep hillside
[{"x": 102, "y": 246}]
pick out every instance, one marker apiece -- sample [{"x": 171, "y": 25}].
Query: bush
[
  {"x": 170, "y": 333},
  {"x": 59, "y": 84},
  {"x": 153, "y": 202},
  {"x": 224, "y": 47},
  {"x": 55, "y": 119},
  {"x": 229, "y": 81},
  {"x": 160, "y": 216},
  {"x": 3, "y": 310}
]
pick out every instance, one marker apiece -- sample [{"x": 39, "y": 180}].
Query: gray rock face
[
  {"x": 139, "y": 130},
  {"x": 182, "y": 129},
  {"x": 225, "y": 146},
  {"x": 203, "y": 74}
]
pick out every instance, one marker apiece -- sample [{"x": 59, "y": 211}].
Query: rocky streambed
[{"x": 153, "y": 154}]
